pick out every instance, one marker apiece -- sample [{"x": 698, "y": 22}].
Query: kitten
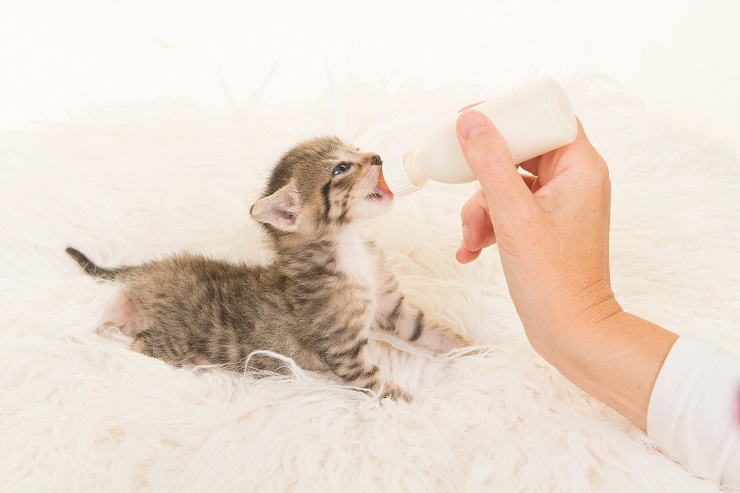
[{"x": 316, "y": 302}]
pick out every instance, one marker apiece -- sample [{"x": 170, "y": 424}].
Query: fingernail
[
  {"x": 471, "y": 123},
  {"x": 466, "y": 234}
]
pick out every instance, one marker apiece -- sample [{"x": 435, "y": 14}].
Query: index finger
[{"x": 552, "y": 163}]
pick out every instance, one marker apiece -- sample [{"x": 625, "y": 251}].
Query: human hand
[
  {"x": 552, "y": 228},
  {"x": 552, "y": 231}
]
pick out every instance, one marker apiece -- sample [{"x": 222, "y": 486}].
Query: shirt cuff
[{"x": 694, "y": 409}]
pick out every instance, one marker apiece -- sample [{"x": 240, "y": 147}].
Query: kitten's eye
[{"x": 341, "y": 168}]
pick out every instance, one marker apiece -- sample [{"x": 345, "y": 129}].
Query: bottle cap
[{"x": 397, "y": 179}]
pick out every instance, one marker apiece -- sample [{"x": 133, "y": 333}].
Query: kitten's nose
[{"x": 370, "y": 158}]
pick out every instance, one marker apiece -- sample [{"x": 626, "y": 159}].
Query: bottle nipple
[{"x": 382, "y": 184}]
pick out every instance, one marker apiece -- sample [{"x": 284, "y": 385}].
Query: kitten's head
[{"x": 321, "y": 186}]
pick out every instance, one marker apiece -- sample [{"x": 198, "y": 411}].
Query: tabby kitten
[{"x": 316, "y": 302}]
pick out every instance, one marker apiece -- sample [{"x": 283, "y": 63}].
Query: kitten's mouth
[
  {"x": 379, "y": 194},
  {"x": 381, "y": 191}
]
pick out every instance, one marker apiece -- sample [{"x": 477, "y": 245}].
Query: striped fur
[{"x": 317, "y": 302}]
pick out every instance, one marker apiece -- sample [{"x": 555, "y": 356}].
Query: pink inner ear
[{"x": 286, "y": 214}]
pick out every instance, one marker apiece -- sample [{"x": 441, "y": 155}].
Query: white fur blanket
[{"x": 81, "y": 412}]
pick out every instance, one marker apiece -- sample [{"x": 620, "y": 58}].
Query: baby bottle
[{"x": 533, "y": 119}]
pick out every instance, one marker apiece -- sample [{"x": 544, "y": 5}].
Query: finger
[
  {"x": 478, "y": 232},
  {"x": 580, "y": 152},
  {"x": 529, "y": 180},
  {"x": 477, "y": 229},
  {"x": 581, "y": 144},
  {"x": 476, "y": 226},
  {"x": 536, "y": 185},
  {"x": 478, "y": 199},
  {"x": 531, "y": 165},
  {"x": 465, "y": 256},
  {"x": 490, "y": 161}
]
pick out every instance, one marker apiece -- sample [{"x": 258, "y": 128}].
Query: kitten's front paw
[{"x": 394, "y": 391}]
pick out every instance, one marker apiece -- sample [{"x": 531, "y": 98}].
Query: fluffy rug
[{"x": 79, "y": 411}]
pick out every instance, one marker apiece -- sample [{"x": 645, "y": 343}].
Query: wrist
[
  {"x": 616, "y": 359},
  {"x": 564, "y": 335}
]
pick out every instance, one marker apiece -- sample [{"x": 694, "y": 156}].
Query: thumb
[{"x": 490, "y": 161}]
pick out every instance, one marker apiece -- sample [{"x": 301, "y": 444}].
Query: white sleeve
[{"x": 694, "y": 409}]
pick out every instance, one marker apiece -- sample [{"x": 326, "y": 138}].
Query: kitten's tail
[{"x": 91, "y": 267}]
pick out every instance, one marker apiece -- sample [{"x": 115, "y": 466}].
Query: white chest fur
[{"x": 355, "y": 260}]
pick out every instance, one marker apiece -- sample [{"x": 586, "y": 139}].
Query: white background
[{"x": 57, "y": 57}]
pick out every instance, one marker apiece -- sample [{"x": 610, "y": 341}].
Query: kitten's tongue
[{"x": 382, "y": 185}]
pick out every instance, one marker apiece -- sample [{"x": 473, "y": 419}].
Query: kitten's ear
[{"x": 279, "y": 209}]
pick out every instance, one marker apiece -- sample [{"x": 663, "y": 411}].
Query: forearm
[{"x": 616, "y": 360}]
